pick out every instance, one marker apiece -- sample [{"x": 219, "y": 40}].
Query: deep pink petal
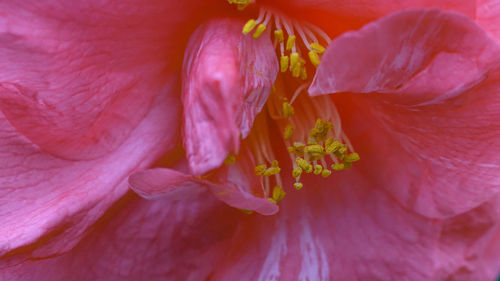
[
  {"x": 227, "y": 77},
  {"x": 488, "y": 16},
  {"x": 47, "y": 203}
]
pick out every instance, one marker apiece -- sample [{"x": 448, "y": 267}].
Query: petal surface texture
[
  {"x": 227, "y": 78},
  {"x": 430, "y": 125}
]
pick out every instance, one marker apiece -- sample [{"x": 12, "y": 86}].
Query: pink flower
[{"x": 94, "y": 92}]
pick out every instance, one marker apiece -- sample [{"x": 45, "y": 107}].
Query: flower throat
[{"x": 316, "y": 145}]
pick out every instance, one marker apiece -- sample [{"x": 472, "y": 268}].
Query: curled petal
[{"x": 227, "y": 77}]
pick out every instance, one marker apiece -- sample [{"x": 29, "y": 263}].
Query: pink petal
[
  {"x": 488, "y": 16},
  {"x": 428, "y": 53},
  {"x": 227, "y": 78},
  {"x": 342, "y": 227},
  {"x": 234, "y": 185},
  {"x": 78, "y": 77},
  {"x": 47, "y": 203},
  {"x": 432, "y": 139},
  {"x": 140, "y": 239}
]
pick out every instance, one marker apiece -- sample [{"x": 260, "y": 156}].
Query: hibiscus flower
[{"x": 245, "y": 145}]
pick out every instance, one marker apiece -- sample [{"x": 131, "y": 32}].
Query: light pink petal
[
  {"x": 432, "y": 138},
  {"x": 47, "y": 203},
  {"x": 234, "y": 185},
  {"x": 78, "y": 77},
  {"x": 227, "y": 77}
]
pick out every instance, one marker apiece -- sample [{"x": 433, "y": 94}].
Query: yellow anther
[
  {"x": 318, "y": 169},
  {"x": 248, "y": 212},
  {"x": 311, "y": 140},
  {"x": 260, "y": 169},
  {"x": 303, "y": 73},
  {"x": 296, "y": 71},
  {"x": 287, "y": 110},
  {"x": 314, "y": 58},
  {"x": 317, "y": 47},
  {"x": 230, "y": 159},
  {"x": 258, "y": 32},
  {"x": 288, "y": 131},
  {"x": 333, "y": 146},
  {"x": 314, "y": 148},
  {"x": 294, "y": 60},
  {"x": 304, "y": 165},
  {"x": 325, "y": 173},
  {"x": 284, "y": 63},
  {"x": 296, "y": 172},
  {"x": 278, "y": 193},
  {"x": 321, "y": 129},
  {"x": 249, "y": 26},
  {"x": 275, "y": 163},
  {"x": 279, "y": 35},
  {"x": 353, "y": 157},
  {"x": 340, "y": 153},
  {"x": 297, "y": 149},
  {"x": 290, "y": 42},
  {"x": 338, "y": 167},
  {"x": 272, "y": 171},
  {"x": 298, "y": 185}
]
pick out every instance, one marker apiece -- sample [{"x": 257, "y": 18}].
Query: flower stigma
[{"x": 311, "y": 126}]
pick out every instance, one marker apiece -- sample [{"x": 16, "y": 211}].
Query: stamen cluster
[{"x": 326, "y": 147}]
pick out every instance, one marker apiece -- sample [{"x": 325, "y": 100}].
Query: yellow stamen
[
  {"x": 272, "y": 200},
  {"x": 318, "y": 169},
  {"x": 279, "y": 35},
  {"x": 303, "y": 73},
  {"x": 314, "y": 58},
  {"x": 321, "y": 129},
  {"x": 290, "y": 42},
  {"x": 298, "y": 185},
  {"x": 338, "y": 167},
  {"x": 278, "y": 193},
  {"x": 260, "y": 169},
  {"x": 333, "y": 146},
  {"x": 294, "y": 60},
  {"x": 353, "y": 157},
  {"x": 275, "y": 163},
  {"x": 249, "y": 26},
  {"x": 304, "y": 165},
  {"x": 296, "y": 71},
  {"x": 297, "y": 149},
  {"x": 317, "y": 47},
  {"x": 325, "y": 173},
  {"x": 287, "y": 110},
  {"x": 230, "y": 159},
  {"x": 272, "y": 171},
  {"x": 284, "y": 63},
  {"x": 296, "y": 172},
  {"x": 288, "y": 131},
  {"x": 258, "y": 32}
]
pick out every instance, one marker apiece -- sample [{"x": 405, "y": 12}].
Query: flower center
[{"x": 311, "y": 127}]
